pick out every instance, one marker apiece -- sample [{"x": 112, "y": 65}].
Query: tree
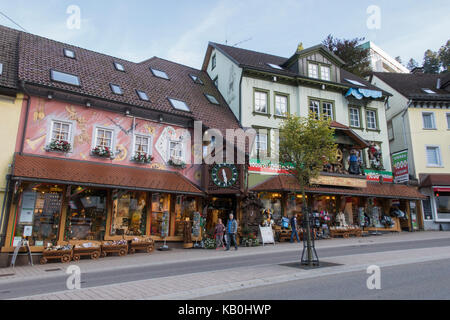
[
  {"x": 357, "y": 60},
  {"x": 306, "y": 145},
  {"x": 398, "y": 59},
  {"x": 412, "y": 64},
  {"x": 444, "y": 56},
  {"x": 431, "y": 63}
]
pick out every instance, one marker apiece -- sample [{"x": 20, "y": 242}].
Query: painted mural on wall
[{"x": 61, "y": 130}]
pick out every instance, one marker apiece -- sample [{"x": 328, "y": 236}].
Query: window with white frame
[
  {"x": 390, "y": 129},
  {"x": 261, "y": 142},
  {"x": 142, "y": 144},
  {"x": 325, "y": 73},
  {"x": 176, "y": 150},
  {"x": 313, "y": 70},
  {"x": 371, "y": 117},
  {"x": 434, "y": 156},
  {"x": 281, "y": 105},
  {"x": 355, "y": 119},
  {"x": 314, "y": 108},
  {"x": 261, "y": 102},
  {"x": 104, "y": 138},
  {"x": 327, "y": 110},
  {"x": 428, "y": 120},
  {"x": 61, "y": 131}
]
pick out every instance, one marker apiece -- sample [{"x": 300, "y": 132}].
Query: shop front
[
  {"x": 343, "y": 210},
  {"x": 436, "y": 206},
  {"x": 59, "y": 202}
]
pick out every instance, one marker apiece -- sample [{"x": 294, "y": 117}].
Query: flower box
[
  {"x": 59, "y": 146},
  {"x": 177, "y": 163},
  {"x": 142, "y": 157},
  {"x": 102, "y": 152}
]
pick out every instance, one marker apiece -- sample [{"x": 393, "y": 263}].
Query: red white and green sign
[
  {"x": 374, "y": 175},
  {"x": 265, "y": 167},
  {"x": 400, "y": 166}
]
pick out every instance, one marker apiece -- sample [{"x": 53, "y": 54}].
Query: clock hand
[{"x": 224, "y": 174}]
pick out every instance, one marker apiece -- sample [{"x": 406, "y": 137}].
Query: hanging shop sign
[
  {"x": 400, "y": 166},
  {"x": 374, "y": 175}
]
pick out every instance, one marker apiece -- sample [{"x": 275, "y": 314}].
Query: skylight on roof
[
  {"x": 64, "y": 78},
  {"x": 179, "y": 105},
  {"x": 159, "y": 74},
  {"x": 1, "y": 69},
  {"x": 211, "y": 99},
  {"x": 356, "y": 83},
  {"x": 429, "y": 91},
  {"x": 116, "y": 89},
  {"x": 196, "y": 79},
  {"x": 142, "y": 95},
  {"x": 69, "y": 53},
  {"x": 119, "y": 67},
  {"x": 275, "y": 66}
]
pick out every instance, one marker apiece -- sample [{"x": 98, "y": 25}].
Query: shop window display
[
  {"x": 129, "y": 213},
  {"x": 160, "y": 207},
  {"x": 86, "y": 216},
  {"x": 39, "y": 214},
  {"x": 272, "y": 202},
  {"x": 184, "y": 208}
]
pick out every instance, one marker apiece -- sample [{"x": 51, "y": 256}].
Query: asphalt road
[
  {"x": 421, "y": 281},
  {"x": 95, "y": 279}
]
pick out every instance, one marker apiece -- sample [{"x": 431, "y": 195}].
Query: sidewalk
[
  {"x": 193, "y": 286},
  {"x": 179, "y": 255}
]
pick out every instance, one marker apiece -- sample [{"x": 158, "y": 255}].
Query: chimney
[{"x": 417, "y": 70}]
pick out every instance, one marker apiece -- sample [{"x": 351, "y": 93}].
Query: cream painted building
[
  {"x": 261, "y": 89},
  {"x": 419, "y": 122},
  {"x": 10, "y": 111}
]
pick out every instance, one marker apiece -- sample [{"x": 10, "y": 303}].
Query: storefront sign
[
  {"x": 400, "y": 166},
  {"x": 374, "y": 175},
  {"x": 340, "y": 181},
  {"x": 266, "y": 235},
  {"x": 265, "y": 167},
  {"x": 27, "y": 210},
  {"x": 27, "y": 231}
]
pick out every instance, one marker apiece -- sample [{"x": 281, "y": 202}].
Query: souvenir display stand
[{"x": 64, "y": 254}]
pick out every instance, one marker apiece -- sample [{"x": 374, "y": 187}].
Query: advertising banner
[
  {"x": 374, "y": 175},
  {"x": 400, "y": 166}
]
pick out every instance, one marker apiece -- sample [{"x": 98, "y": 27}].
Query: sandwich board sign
[
  {"x": 266, "y": 235},
  {"x": 22, "y": 243}
]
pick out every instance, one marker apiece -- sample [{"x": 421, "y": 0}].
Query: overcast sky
[{"x": 179, "y": 30}]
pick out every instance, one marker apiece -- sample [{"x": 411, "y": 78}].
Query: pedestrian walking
[
  {"x": 219, "y": 233},
  {"x": 294, "y": 226},
  {"x": 232, "y": 227}
]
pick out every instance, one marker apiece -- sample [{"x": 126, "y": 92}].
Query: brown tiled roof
[
  {"x": 287, "y": 183},
  {"x": 411, "y": 84},
  {"x": 352, "y": 134},
  {"x": 430, "y": 180},
  {"x": 38, "y": 55},
  {"x": 9, "y": 41},
  {"x": 258, "y": 60},
  {"x": 95, "y": 174}
]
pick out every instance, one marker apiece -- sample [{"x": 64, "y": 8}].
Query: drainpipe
[
  {"x": 27, "y": 111},
  {"x": 3, "y": 219}
]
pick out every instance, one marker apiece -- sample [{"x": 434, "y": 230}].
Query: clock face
[{"x": 224, "y": 175}]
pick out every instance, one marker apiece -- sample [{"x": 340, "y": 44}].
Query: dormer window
[
  {"x": 196, "y": 79},
  {"x": 142, "y": 95},
  {"x": 116, "y": 89},
  {"x": 313, "y": 70},
  {"x": 325, "y": 73},
  {"x": 429, "y": 91},
  {"x": 69, "y": 53},
  {"x": 211, "y": 99},
  {"x": 159, "y": 74},
  {"x": 119, "y": 67}
]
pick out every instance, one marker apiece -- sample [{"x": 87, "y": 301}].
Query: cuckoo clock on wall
[{"x": 224, "y": 175}]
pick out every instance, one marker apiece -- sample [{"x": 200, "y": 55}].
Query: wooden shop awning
[
  {"x": 287, "y": 183},
  {"x": 63, "y": 171}
]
